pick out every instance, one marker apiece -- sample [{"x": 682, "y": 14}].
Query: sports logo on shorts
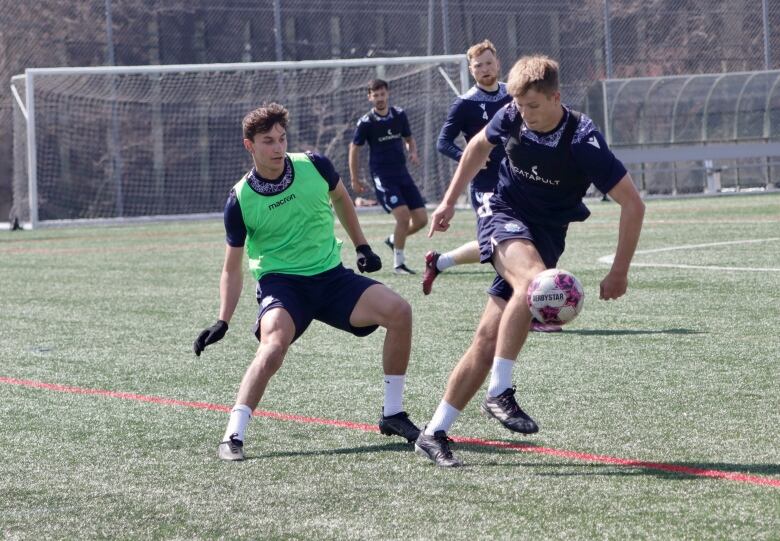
[
  {"x": 512, "y": 227},
  {"x": 268, "y": 299},
  {"x": 393, "y": 199}
]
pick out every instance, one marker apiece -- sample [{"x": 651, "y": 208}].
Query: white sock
[
  {"x": 442, "y": 419},
  {"x": 445, "y": 262},
  {"x": 392, "y": 238},
  {"x": 398, "y": 257},
  {"x": 394, "y": 395},
  {"x": 500, "y": 376},
  {"x": 239, "y": 418}
]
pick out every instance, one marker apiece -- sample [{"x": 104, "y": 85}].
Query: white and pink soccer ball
[{"x": 555, "y": 296}]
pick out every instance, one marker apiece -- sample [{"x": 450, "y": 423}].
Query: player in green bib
[{"x": 282, "y": 213}]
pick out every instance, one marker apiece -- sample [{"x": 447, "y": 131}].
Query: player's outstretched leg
[
  {"x": 436, "y": 263},
  {"x": 379, "y": 305},
  {"x": 437, "y": 449},
  {"x": 276, "y": 334}
]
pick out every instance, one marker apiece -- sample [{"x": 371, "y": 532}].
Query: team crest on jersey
[{"x": 512, "y": 227}]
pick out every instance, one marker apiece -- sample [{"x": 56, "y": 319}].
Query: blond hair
[
  {"x": 479, "y": 48},
  {"x": 538, "y": 72}
]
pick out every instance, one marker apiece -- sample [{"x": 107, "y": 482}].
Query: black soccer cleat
[
  {"x": 389, "y": 243},
  {"x": 505, "y": 409},
  {"x": 437, "y": 449},
  {"x": 399, "y": 425}
]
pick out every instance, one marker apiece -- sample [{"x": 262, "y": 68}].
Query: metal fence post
[
  {"x": 116, "y": 153},
  {"x": 607, "y": 41},
  {"x": 767, "y": 51}
]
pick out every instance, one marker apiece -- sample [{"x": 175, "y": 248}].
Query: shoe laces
[
  {"x": 444, "y": 442},
  {"x": 235, "y": 444},
  {"x": 509, "y": 404}
]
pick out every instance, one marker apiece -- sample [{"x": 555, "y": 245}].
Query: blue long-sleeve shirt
[{"x": 468, "y": 114}]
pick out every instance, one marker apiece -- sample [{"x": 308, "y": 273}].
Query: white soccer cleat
[{"x": 232, "y": 449}]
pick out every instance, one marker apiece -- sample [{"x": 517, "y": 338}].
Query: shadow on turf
[
  {"x": 608, "y": 470},
  {"x": 595, "y": 469},
  {"x": 406, "y": 447},
  {"x": 628, "y": 332}
]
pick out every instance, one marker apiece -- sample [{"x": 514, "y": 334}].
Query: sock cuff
[
  {"x": 445, "y": 404},
  {"x": 242, "y": 408}
]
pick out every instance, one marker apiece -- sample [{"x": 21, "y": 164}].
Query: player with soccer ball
[{"x": 553, "y": 154}]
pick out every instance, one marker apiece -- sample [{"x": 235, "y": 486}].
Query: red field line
[{"x": 522, "y": 447}]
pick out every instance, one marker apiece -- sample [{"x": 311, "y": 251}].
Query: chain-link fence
[{"x": 592, "y": 39}]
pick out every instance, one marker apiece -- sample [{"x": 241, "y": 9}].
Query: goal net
[{"x": 157, "y": 141}]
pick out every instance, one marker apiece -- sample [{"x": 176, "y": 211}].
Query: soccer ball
[{"x": 555, "y": 296}]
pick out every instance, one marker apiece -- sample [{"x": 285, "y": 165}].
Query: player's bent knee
[
  {"x": 271, "y": 355},
  {"x": 399, "y": 313},
  {"x": 401, "y": 215},
  {"x": 419, "y": 221}
]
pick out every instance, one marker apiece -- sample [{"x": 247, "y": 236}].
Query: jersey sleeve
[
  {"x": 361, "y": 133},
  {"x": 449, "y": 131},
  {"x": 497, "y": 130},
  {"x": 235, "y": 229},
  {"x": 406, "y": 131},
  {"x": 325, "y": 168},
  {"x": 597, "y": 161}
]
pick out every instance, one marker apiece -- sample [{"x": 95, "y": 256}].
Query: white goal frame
[{"x": 27, "y": 105}]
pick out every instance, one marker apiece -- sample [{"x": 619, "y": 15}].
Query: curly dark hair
[{"x": 263, "y": 118}]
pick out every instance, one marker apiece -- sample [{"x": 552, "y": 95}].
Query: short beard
[{"x": 491, "y": 81}]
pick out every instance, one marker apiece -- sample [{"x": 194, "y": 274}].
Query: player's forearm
[
  {"x": 449, "y": 148},
  {"x": 230, "y": 284},
  {"x": 354, "y": 170},
  {"x": 347, "y": 215},
  {"x": 631, "y": 217}
]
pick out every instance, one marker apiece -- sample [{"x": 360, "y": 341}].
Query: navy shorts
[
  {"x": 499, "y": 226},
  {"x": 397, "y": 190},
  {"x": 329, "y": 297}
]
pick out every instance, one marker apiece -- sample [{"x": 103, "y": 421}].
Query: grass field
[{"x": 109, "y": 424}]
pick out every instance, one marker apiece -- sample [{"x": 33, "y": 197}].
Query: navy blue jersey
[
  {"x": 468, "y": 114},
  {"x": 235, "y": 229},
  {"x": 545, "y": 175},
  {"x": 385, "y": 139}
]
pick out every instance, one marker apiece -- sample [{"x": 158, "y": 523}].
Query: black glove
[
  {"x": 209, "y": 336},
  {"x": 367, "y": 260}
]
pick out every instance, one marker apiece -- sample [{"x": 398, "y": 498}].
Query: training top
[
  {"x": 468, "y": 114},
  {"x": 545, "y": 175},
  {"x": 287, "y": 223},
  {"x": 385, "y": 140}
]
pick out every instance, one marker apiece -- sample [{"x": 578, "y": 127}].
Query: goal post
[{"x": 133, "y": 142}]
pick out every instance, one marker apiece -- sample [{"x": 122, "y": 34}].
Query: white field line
[{"x": 607, "y": 259}]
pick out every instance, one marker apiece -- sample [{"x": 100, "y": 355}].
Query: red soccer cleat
[{"x": 431, "y": 272}]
